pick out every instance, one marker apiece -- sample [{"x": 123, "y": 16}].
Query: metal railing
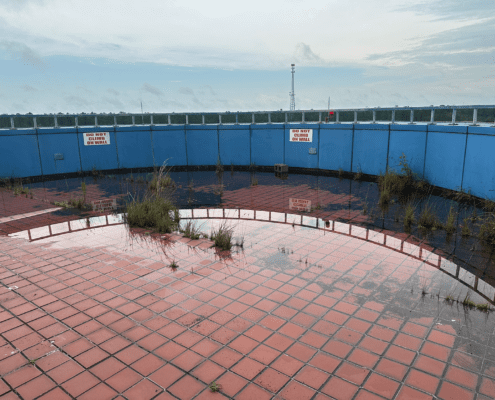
[{"x": 411, "y": 115}]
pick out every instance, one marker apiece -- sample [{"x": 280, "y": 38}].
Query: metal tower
[{"x": 292, "y": 95}]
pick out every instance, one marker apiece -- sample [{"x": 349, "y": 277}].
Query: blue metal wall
[
  {"x": 447, "y": 156},
  {"x": 335, "y": 150},
  {"x": 98, "y": 157},
  {"x": 19, "y": 154},
  {"x": 169, "y": 145},
  {"x": 235, "y": 144}
]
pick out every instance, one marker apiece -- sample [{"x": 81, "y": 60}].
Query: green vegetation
[
  {"x": 487, "y": 230},
  {"x": 215, "y": 387},
  {"x": 222, "y": 236},
  {"x": 174, "y": 265},
  {"x": 450, "y": 226},
  {"x": 254, "y": 181},
  {"x": 190, "y": 231},
  {"x": 155, "y": 211},
  {"x": 409, "y": 218},
  {"x": 404, "y": 185},
  {"x": 428, "y": 220}
]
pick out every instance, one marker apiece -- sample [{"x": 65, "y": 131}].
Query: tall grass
[{"x": 156, "y": 211}]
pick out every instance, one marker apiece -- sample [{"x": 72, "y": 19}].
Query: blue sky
[{"x": 179, "y": 56}]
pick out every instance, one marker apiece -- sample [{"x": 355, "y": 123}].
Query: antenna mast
[{"x": 292, "y": 95}]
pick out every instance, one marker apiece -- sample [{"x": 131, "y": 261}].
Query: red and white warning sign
[
  {"x": 299, "y": 204},
  {"x": 96, "y": 138},
  {"x": 301, "y": 135},
  {"x": 104, "y": 205}
]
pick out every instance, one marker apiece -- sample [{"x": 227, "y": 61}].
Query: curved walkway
[{"x": 296, "y": 313}]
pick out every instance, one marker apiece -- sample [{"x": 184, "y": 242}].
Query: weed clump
[
  {"x": 190, "y": 231},
  {"x": 409, "y": 218},
  {"x": 487, "y": 230},
  {"x": 450, "y": 226},
  {"x": 222, "y": 237},
  {"x": 404, "y": 185},
  {"x": 428, "y": 220},
  {"x": 465, "y": 228},
  {"x": 161, "y": 180},
  {"x": 153, "y": 212}
]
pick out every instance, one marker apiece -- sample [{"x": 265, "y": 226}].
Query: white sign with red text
[
  {"x": 301, "y": 135},
  {"x": 104, "y": 205},
  {"x": 96, "y": 138},
  {"x": 299, "y": 204}
]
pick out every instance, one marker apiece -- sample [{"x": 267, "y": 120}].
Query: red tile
[
  {"x": 291, "y": 330},
  {"x": 382, "y": 333},
  {"x": 169, "y": 351},
  {"x": 357, "y": 325},
  {"x": 124, "y": 379},
  {"x": 336, "y": 317},
  {"x": 226, "y": 357},
  {"x": 114, "y": 345},
  {"x": 488, "y": 387},
  {"x": 420, "y": 380},
  {"x": 352, "y": 373},
  {"x": 206, "y": 347},
  {"x": 339, "y": 389},
  {"x": 325, "y": 362},
  {"x": 253, "y": 392},
  {"x": 107, "y": 368},
  {"x": 153, "y": 341},
  {"x": 278, "y": 342},
  {"x": 363, "y": 358},
  {"x": 258, "y": 333},
  {"x": 296, "y": 391},
  {"x": 272, "y": 322},
  {"x": 312, "y": 377},
  {"x": 91, "y": 357},
  {"x": 130, "y": 354},
  {"x": 435, "y": 351},
  {"x": 55, "y": 394},
  {"x": 415, "y": 329},
  {"x": 407, "y": 393},
  {"x": 430, "y": 365},
  {"x": 287, "y": 365},
  {"x": 314, "y": 339},
  {"x": 409, "y": 342},
  {"x": 449, "y": 391},
  {"x": 272, "y": 380},
  {"x": 301, "y": 352},
  {"x": 187, "y": 360},
  {"x": 339, "y": 349},
  {"x": 243, "y": 344},
  {"x": 380, "y": 385},
  {"x": 80, "y": 384},
  {"x": 21, "y": 376},
  {"x": 264, "y": 354},
  {"x": 348, "y": 336},
  {"x": 462, "y": 377},
  {"x": 208, "y": 372},
  {"x": 144, "y": 390},
  {"x": 223, "y": 335},
  {"x": 35, "y": 388},
  {"x": 247, "y": 368},
  {"x": 148, "y": 364},
  {"x": 100, "y": 391},
  {"x": 65, "y": 371},
  {"x": 231, "y": 383},
  {"x": 367, "y": 315},
  {"x": 373, "y": 345},
  {"x": 166, "y": 375},
  {"x": 345, "y": 307},
  {"x": 399, "y": 354},
  {"x": 441, "y": 338},
  {"x": 391, "y": 369},
  {"x": 186, "y": 388}
]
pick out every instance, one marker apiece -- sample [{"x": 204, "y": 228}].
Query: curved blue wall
[{"x": 448, "y": 156}]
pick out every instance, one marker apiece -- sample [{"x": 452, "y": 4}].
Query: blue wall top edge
[
  {"x": 448, "y": 128},
  {"x": 479, "y": 130}
]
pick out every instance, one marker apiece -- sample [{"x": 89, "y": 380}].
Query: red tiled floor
[{"x": 256, "y": 331}]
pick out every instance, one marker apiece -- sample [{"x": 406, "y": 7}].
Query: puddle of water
[{"x": 322, "y": 196}]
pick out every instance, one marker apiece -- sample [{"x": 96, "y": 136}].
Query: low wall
[{"x": 448, "y": 156}]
